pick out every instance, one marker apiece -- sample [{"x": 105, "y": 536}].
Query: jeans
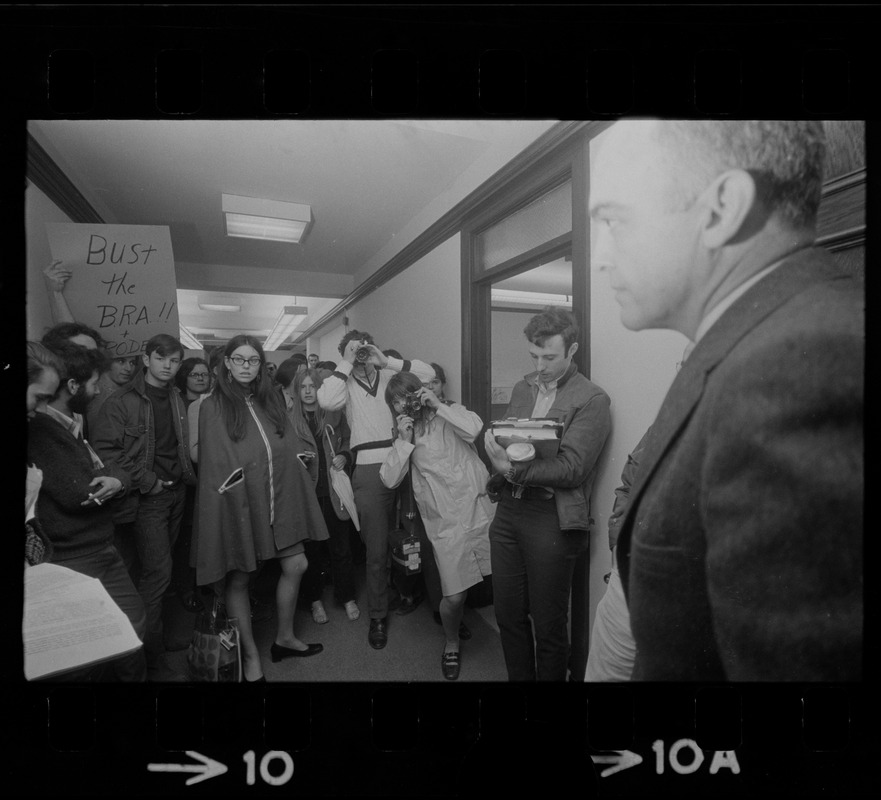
[
  {"x": 533, "y": 562},
  {"x": 106, "y": 565},
  {"x": 376, "y": 506},
  {"x": 156, "y": 530}
]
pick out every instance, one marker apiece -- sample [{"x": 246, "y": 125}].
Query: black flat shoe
[
  {"x": 450, "y": 665},
  {"x": 378, "y": 633},
  {"x": 278, "y": 652},
  {"x": 261, "y": 679}
]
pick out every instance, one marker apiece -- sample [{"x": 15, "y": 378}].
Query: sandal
[
  {"x": 352, "y": 610},
  {"x": 450, "y": 665},
  {"x": 319, "y": 615}
]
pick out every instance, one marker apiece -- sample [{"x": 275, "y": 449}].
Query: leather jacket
[
  {"x": 124, "y": 434},
  {"x": 583, "y": 407}
]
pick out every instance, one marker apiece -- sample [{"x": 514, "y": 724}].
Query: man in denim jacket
[{"x": 542, "y": 522}]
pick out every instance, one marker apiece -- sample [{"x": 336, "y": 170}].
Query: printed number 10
[{"x": 267, "y": 777}]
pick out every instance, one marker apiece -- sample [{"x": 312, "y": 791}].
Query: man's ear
[
  {"x": 72, "y": 386},
  {"x": 145, "y": 359},
  {"x": 729, "y": 199},
  {"x": 573, "y": 349}
]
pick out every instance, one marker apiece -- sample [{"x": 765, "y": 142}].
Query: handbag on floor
[{"x": 215, "y": 654}]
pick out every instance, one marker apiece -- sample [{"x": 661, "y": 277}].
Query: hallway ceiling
[{"x": 373, "y": 187}]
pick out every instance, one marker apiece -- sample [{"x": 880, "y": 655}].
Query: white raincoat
[{"x": 449, "y": 484}]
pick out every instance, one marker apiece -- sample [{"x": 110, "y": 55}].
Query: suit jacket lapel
[{"x": 794, "y": 275}]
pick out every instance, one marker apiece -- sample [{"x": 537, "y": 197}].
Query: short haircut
[
  {"x": 360, "y": 336},
  {"x": 328, "y": 365},
  {"x": 41, "y": 358},
  {"x": 784, "y": 157},
  {"x": 400, "y": 385},
  {"x": 439, "y": 372},
  {"x": 186, "y": 367},
  {"x": 79, "y": 363},
  {"x": 552, "y": 321},
  {"x": 287, "y": 370},
  {"x": 65, "y": 331},
  {"x": 313, "y": 354},
  {"x": 164, "y": 344},
  {"x": 392, "y": 354}
]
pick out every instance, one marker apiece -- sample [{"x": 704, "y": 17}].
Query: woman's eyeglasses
[
  {"x": 240, "y": 362},
  {"x": 198, "y": 375}
]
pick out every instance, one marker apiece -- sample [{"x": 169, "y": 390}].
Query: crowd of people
[{"x": 736, "y": 533}]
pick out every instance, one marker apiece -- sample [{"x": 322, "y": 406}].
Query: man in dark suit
[{"x": 741, "y": 550}]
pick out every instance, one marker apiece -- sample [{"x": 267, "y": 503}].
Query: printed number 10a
[
  {"x": 722, "y": 759},
  {"x": 266, "y": 776}
]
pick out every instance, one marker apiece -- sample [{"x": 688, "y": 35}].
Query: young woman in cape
[{"x": 255, "y": 499}]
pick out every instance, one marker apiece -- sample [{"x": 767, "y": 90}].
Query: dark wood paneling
[
  {"x": 845, "y": 147},
  {"x": 841, "y": 223},
  {"x": 48, "y": 177}
]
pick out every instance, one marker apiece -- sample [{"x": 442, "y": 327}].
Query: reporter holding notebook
[{"x": 543, "y": 517}]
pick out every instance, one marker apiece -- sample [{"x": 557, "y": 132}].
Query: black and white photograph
[
  {"x": 440, "y": 401},
  {"x": 279, "y": 348}
]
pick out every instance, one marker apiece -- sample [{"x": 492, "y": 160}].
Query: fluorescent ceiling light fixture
[
  {"x": 188, "y": 340},
  {"x": 530, "y": 298},
  {"x": 290, "y": 317},
  {"x": 218, "y": 307},
  {"x": 273, "y": 220}
]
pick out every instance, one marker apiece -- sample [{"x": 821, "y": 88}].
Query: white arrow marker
[
  {"x": 623, "y": 759},
  {"x": 209, "y": 768}
]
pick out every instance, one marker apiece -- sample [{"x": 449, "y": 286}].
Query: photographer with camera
[
  {"x": 359, "y": 384},
  {"x": 448, "y": 478}
]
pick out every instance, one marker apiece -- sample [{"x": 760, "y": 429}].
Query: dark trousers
[
  {"x": 156, "y": 529},
  {"x": 341, "y": 568},
  {"x": 376, "y": 507},
  {"x": 532, "y": 562},
  {"x": 183, "y": 576},
  {"x": 107, "y": 566}
]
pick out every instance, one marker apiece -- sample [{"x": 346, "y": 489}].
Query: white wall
[
  {"x": 39, "y": 209},
  {"x": 326, "y": 343},
  {"x": 418, "y": 313}
]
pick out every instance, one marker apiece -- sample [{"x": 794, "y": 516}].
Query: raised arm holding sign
[{"x": 120, "y": 279}]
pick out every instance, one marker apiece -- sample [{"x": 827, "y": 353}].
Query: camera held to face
[
  {"x": 362, "y": 354},
  {"x": 412, "y": 405}
]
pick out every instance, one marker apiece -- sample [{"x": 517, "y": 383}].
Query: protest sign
[{"x": 122, "y": 283}]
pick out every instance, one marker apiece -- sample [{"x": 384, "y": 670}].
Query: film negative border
[{"x": 558, "y": 62}]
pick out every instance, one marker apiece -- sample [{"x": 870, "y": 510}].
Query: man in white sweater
[{"x": 358, "y": 383}]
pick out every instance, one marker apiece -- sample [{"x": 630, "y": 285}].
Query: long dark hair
[
  {"x": 231, "y": 399},
  {"x": 400, "y": 385}
]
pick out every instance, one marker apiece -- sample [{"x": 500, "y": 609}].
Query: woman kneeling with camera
[{"x": 449, "y": 482}]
